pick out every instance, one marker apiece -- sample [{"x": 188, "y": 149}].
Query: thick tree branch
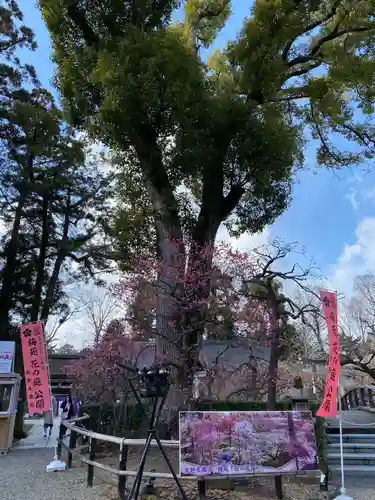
[
  {"x": 79, "y": 19},
  {"x": 231, "y": 200},
  {"x": 310, "y": 27}
]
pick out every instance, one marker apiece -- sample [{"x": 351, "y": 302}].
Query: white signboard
[{"x": 7, "y": 354}]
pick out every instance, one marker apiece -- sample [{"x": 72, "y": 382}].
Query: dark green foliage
[
  {"x": 241, "y": 406},
  {"x": 116, "y": 419},
  {"x": 53, "y": 206},
  {"x": 230, "y": 129}
]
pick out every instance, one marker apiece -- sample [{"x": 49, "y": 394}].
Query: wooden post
[
  {"x": 371, "y": 396},
  {"x": 58, "y": 449},
  {"x": 73, "y": 440},
  {"x": 362, "y": 397},
  {"x": 279, "y": 487},
  {"x": 90, "y": 468},
  {"x": 351, "y": 400},
  {"x": 344, "y": 402},
  {"x": 356, "y": 397},
  {"x": 70, "y": 458},
  {"x": 202, "y": 489},
  {"x": 122, "y": 466},
  {"x": 72, "y": 445}
]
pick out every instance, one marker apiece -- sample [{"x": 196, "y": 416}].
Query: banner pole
[{"x": 343, "y": 491}]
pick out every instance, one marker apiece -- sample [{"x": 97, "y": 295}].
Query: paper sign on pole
[
  {"x": 328, "y": 408},
  {"x": 35, "y": 367},
  {"x": 7, "y": 355}
]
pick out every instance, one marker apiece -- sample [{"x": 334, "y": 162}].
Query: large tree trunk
[
  {"x": 199, "y": 272},
  {"x": 272, "y": 376},
  {"x": 61, "y": 255},
  {"x": 272, "y": 373},
  {"x": 38, "y": 290},
  {"x": 169, "y": 341},
  {"x": 11, "y": 251},
  {"x": 19, "y": 429},
  {"x": 171, "y": 251},
  {"x": 179, "y": 329},
  {"x": 6, "y": 291},
  {"x": 6, "y": 294}
]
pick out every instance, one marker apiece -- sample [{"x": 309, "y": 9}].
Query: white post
[
  {"x": 343, "y": 495},
  {"x": 343, "y": 492}
]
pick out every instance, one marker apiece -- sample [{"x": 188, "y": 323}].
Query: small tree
[
  {"x": 265, "y": 286},
  {"x": 248, "y": 284},
  {"x": 98, "y": 374},
  {"x": 358, "y": 329},
  {"x": 66, "y": 349},
  {"x": 100, "y": 309}
]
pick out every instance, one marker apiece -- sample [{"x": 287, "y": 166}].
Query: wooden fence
[{"x": 76, "y": 429}]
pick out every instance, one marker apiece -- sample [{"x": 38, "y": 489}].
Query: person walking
[
  {"x": 48, "y": 419},
  {"x": 67, "y": 408}
]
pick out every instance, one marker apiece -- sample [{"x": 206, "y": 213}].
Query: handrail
[
  {"x": 168, "y": 475},
  {"x": 115, "y": 439}
]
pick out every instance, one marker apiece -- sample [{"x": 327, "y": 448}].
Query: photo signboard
[{"x": 229, "y": 443}]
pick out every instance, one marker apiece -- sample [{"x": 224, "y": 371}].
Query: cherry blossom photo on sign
[{"x": 246, "y": 442}]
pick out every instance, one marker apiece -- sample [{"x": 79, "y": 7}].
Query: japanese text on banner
[
  {"x": 328, "y": 407},
  {"x": 35, "y": 368}
]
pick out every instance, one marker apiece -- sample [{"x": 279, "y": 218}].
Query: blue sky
[{"x": 332, "y": 214}]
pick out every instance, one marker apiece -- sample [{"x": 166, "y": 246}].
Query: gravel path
[{"x": 23, "y": 476}]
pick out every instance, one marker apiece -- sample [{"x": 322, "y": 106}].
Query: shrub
[{"x": 115, "y": 419}]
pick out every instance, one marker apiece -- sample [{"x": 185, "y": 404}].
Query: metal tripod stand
[{"x": 157, "y": 406}]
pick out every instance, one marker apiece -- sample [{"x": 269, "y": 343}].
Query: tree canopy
[
  {"x": 53, "y": 193},
  {"x": 230, "y": 127}
]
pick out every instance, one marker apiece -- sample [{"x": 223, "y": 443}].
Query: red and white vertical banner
[
  {"x": 328, "y": 408},
  {"x": 35, "y": 367}
]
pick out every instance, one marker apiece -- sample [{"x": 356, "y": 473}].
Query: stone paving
[
  {"x": 23, "y": 476},
  {"x": 36, "y": 440}
]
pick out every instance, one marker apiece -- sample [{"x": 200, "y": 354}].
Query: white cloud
[
  {"x": 246, "y": 241},
  {"x": 352, "y": 197},
  {"x": 356, "y": 258}
]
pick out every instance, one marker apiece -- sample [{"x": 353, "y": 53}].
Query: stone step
[
  {"x": 359, "y": 448},
  {"x": 350, "y": 423},
  {"x": 358, "y": 470},
  {"x": 351, "y": 431},
  {"x": 352, "y": 438},
  {"x": 351, "y": 456}
]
